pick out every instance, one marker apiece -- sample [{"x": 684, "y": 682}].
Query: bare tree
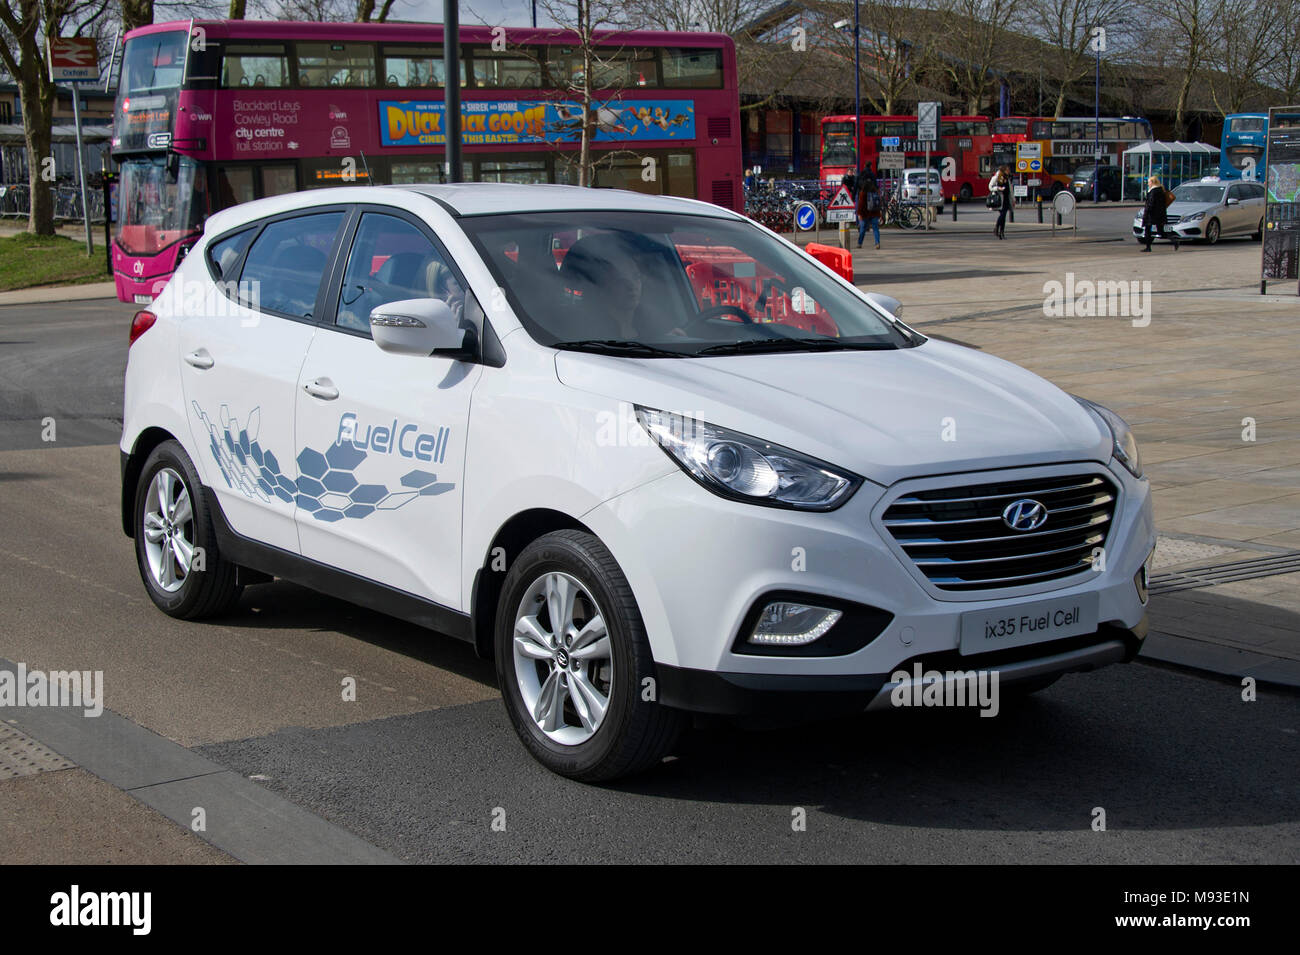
[
  {"x": 596, "y": 54},
  {"x": 1243, "y": 48},
  {"x": 1068, "y": 31},
  {"x": 366, "y": 11},
  {"x": 895, "y": 45},
  {"x": 974, "y": 45},
  {"x": 136, "y": 13},
  {"x": 681, "y": 16},
  {"x": 26, "y": 27},
  {"x": 1187, "y": 25}
]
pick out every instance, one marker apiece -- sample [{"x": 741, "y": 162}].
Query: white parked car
[
  {"x": 645, "y": 453},
  {"x": 922, "y": 185}
]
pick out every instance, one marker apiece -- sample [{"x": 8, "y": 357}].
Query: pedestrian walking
[
  {"x": 869, "y": 208},
  {"x": 1154, "y": 216},
  {"x": 1000, "y": 186}
]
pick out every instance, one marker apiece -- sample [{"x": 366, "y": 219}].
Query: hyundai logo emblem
[{"x": 1024, "y": 515}]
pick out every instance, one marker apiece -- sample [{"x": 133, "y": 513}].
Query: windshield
[
  {"x": 153, "y": 63},
  {"x": 669, "y": 285},
  {"x": 837, "y": 145},
  {"x": 156, "y": 208},
  {"x": 1248, "y": 124},
  {"x": 1190, "y": 193}
]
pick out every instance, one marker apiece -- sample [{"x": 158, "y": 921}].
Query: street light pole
[
  {"x": 857, "y": 90},
  {"x": 1096, "y": 130},
  {"x": 451, "y": 89}
]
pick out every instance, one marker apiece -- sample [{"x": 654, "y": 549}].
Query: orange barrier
[{"x": 841, "y": 260}]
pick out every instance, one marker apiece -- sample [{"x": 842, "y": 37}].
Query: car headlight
[
  {"x": 743, "y": 468},
  {"x": 1194, "y": 218},
  {"x": 1125, "y": 445}
]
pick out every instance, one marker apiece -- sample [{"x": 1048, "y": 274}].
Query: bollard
[
  {"x": 1040, "y": 210},
  {"x": 954, "y": 207}
]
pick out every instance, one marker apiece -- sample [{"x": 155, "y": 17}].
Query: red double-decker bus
[
  {"x": 963, "y": 154},
  {"x": 213, "y": 113}
]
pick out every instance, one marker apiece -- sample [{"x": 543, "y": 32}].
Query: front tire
[
  {"x": 572, "y": 661},
  {"x": 175, "y": 546},
  {"x": 1258, "y": 234},
  {"x": 1212, "y": 230}
]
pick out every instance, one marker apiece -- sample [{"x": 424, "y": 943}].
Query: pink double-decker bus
[{"x": 213, "y": 113}]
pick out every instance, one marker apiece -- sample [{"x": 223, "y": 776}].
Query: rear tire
[
  {"x": 573, "y": 677},
  {"x": 175, "y": 546},
  {"x": 1258, "y": 235}
]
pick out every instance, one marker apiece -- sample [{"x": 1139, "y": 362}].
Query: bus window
[
  {"x": 153, "y": 63},
  {"x": 700, "y": 69},
  {"x": 234, "y": 185},
  {"x": 417, "y": 67},
  {"x": 278, "y": 180},
  {"x": 262, "y": 65},
  {"x": 1248, "y": 124},
  {"x": 336, "y": 64},
  {"x": 506, "y": 70},
  {"x": 527, "y": 171},
  {"x": 628, "y": 69}
]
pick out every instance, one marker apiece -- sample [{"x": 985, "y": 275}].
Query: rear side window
[
  {"x": 284, "y": 266},
  {"x": 224, "y": 253}
]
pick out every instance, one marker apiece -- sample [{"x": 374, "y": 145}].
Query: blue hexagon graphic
[
  {"x": 340, "y": 481},
  {"x": 312, "y": 462},
  {"x": 310, "y": 486},
  {"x": 419, "y": 479},
  {"x": 369, "y": 493},
  {"x": 344, "y": 457}
]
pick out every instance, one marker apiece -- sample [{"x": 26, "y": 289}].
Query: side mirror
[
  {"x": 886, "y": 302},
  {"x": 1233, "y": 201},
  {"x": 419, "y": 326}
]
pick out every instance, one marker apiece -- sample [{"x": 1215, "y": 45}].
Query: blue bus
[{"x": 1244, "y": 136}]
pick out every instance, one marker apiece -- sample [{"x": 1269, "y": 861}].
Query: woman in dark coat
[
  {"x": 1153, "y": 215},
  {"x": 1002, "y": 186}
]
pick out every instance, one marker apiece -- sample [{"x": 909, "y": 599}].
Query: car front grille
[{"x": 959, "y": 540}]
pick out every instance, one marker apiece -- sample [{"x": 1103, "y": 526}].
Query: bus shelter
[{"x": 1174, "y": 163}]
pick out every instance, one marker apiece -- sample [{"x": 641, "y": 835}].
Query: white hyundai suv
[{"x": 648, "y": 455}]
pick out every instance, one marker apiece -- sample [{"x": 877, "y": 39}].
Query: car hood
[
  {"x": 1182, "y": 208},
  {"x": 886, "y": 415}
]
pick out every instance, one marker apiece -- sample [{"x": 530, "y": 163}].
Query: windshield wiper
[
  {"x": 618, "y": 346},
  {"x": 792, "y": 344}
]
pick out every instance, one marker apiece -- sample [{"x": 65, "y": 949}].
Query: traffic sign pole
[{"x": 81, "y": 169}]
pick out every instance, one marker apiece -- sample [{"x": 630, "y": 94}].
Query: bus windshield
[
  {"x": 837, "y": 145},
  {"x": 153, "y": 63},
  {"x": 1248, "y": 124},
  {"x": 157, "y": 208}
]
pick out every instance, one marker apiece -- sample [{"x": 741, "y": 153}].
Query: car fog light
[
  {"x": 1142, "y": 580},
  {"x": 792, "y": 624}
]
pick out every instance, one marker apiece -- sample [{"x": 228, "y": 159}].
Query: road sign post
[
  {"x": 927, "y": 131},
  {"x": 76, "y": 60}
]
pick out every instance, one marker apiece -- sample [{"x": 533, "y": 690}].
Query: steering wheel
[{"x": 718, "y": 311}]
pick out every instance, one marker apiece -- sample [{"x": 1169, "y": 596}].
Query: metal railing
[{"x": 16, "y": 202}]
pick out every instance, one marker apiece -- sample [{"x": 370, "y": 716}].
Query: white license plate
[
  {"x": 983, "y": 631},
  {"x": 143, "y": 299}
]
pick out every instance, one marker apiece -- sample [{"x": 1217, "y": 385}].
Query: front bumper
[
  {"x": 698, "y": 564},
  {"x": 1184, "y": 230},
  {"x": 750, "y": 694}
]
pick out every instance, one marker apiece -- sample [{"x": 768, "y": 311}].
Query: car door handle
[
  {"x": 200, "y": 359},
  {"x": 321, "y": 388}
]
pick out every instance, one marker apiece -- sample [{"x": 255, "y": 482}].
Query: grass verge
[{"x": 31, "y": 260}]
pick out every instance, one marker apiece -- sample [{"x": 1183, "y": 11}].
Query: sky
[{"x": 508, "y": 13}]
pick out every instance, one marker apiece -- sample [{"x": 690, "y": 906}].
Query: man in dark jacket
[{"x": 1153, "y": 215}]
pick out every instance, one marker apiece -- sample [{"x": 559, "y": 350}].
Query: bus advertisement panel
[{"x": 213, "y": 113}]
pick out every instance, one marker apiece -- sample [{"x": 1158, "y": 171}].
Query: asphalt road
[{"x": 418, "y": 765}]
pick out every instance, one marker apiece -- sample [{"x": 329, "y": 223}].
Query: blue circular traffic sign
[
  {"x": 1035, "y": 165},
  {"x": 805, "y": 216}
]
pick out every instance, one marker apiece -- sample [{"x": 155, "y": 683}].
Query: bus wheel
[{"x": 965, "y": 193}]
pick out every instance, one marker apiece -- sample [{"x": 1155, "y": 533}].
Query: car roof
[{"x": 469, "y": 199}]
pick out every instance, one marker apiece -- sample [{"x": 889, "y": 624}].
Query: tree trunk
[
  {"x": 237, "y": 8},
  {"x": 136, "y": 13},
  {"x": 1060, "y": 104},
  {"x": 38, "y": 112}
]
